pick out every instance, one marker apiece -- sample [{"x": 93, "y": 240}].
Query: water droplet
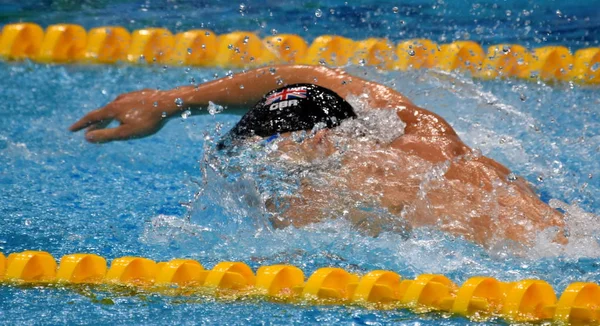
[
  {"x": 318, "y": 13},
  {"x": 273, "y": 31},
  {"x": 395, "y": 10},
  {"x": 279, "y": 81},
  {"x": 246, "y": 38},
  {"x": 411, "y": 52},
  {"x": 203, "y": 46},
  {"x": 187, "y": 70},
  {"x": 104, "y": 92},
  {"x": 272, "y": 70},
  {"x": 595, "y": 67},
  {"x": 192, "y": 80},
  {"x": 511, "y": 177},
  {"x": 242, "y": 8},
  {"x": 163, "y": 114},
  {"x": 362, "y": 62},
  {"x": 189, "y": 50},
  {"x": 540, "y": 178},
  {"x": 241, "y": 86},
  {"x": 215, "y": 76},
  {"x": 230, "y": 46},
  {"x": 214, "y": 108},
  {"x": 322, "y": 62},
  {"x": 332, "y": 11},
  {"x": 505, "y": 49},
  {"x": 179, "y": 102},
  {"x": 207, "y": 33},
  {"x": 522, "y": 97},
  {"x": 229, "y": 74},
  {"x": 186, "y": 114},
  {"x": 155, "y": 104}
]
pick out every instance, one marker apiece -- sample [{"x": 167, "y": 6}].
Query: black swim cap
[{"x": 290, "y": 108}]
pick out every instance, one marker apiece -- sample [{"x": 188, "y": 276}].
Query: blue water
[{"x": 63, "y": 195}]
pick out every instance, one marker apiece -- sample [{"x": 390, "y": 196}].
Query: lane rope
[
  {"x": 478, "y": 298},
  {"x": 69, "y": 43}
]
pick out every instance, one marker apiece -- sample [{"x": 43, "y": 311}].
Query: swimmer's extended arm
[{"x": 142, "y": 113}]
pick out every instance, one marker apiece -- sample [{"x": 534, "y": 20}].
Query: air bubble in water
[
  {"x": 395, "y": 10},
  {"x": 318, "y": 13},
  {"x": 179, "y": 102}
]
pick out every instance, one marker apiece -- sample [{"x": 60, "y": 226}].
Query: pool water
[{"x": 149, "y": 197}]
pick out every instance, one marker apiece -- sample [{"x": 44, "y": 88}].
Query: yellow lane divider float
[
  {"x": 478, "y": 298},
  {"x": 68, "y": 43}
]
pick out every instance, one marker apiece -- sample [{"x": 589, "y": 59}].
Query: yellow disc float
[
  {"x": 586, "y": 66},
  {"x": 506, "y": 60},
  {"x": 461, "y": 55},
  {"x": 240, "y": 49},
  {"x": 196, "y": 48},
  {"x": 579, "y": 304},
  {"x": 416, "y": 54},
  {"x": 107, "y": 45},
  {"x": 81, "y": 268},
  {"x": 31, "y": 266},
  {"x": 132, "y": 270},
  {"x": 150, "y": 45},
  {"x": 479, "y": 295},
  {"x": 529, "y": 300},
  {"x": 551, "y": 63},
  {"x": 230, "y": 275},
  {"x": 378, "y": 287},
  {"x": 21, "y": 41},
  {"x": 183, "y": 272},
  {"x": 429, "y": 291},
  {"x": 374, "y": 52},
  {"x": 2, "y": 265},
  {"x": 330, "y": 283},
  {"x": 330, "y": 49},
  {"x": 289, "y": 48},
  {"x": 279, "y": 280},
  {"x": 63, "y": 43}
]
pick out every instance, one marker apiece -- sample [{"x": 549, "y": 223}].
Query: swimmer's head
[{"x": 291, "y": 108}]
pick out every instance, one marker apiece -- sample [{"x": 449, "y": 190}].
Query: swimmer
[{"x": 477, "y": 198}]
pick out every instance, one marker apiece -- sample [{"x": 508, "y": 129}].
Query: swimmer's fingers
[
  {"x": 121, "y": 132},
  {"x": 96, "y": 116}
]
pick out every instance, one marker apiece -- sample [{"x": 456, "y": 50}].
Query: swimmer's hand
[{"x": 139, "y": 113}]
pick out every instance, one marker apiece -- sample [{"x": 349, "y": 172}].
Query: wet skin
[{"x": 475, "y": 199}]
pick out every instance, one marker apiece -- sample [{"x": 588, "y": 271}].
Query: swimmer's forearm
[{"x": 245, "y": 89}]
